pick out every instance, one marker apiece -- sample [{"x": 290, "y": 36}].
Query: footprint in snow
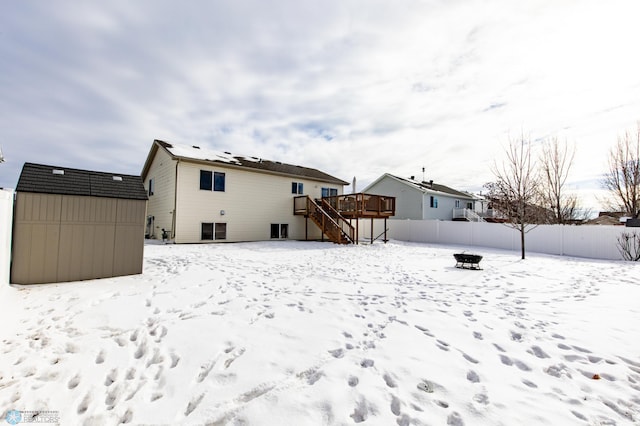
[
  {"x": 390, "y": 382},
  {"x": 111, "y": 377},
  {"x": 74, "y": 382},
  {"x": 473, "y": 377},
  {"x": 337, "y": 353},
  {"x": 538, "y": 352}
]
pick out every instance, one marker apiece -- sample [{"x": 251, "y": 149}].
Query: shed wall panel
[
  {"x": 68, "y": 238},
  {"x": 129, "y": 237}
]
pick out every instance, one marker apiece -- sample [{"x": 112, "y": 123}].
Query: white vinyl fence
[
  {"x": 590, "y": 241},
  {"x": 6, "y": 216}
]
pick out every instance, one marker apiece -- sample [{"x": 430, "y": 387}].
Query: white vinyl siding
[
  {"x": 251, "y": 202},
  {"x": 160, "y": 205}
]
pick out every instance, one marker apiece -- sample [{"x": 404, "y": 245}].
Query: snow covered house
[
  {"x": 199, "y": 195},
  {"x": 72, "y": 224},
  {"x": 425, "y": 200}
]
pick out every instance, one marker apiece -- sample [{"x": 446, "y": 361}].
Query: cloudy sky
[{"x": 351, "y": 87}]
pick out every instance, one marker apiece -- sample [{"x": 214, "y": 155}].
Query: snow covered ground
[{"x": 309, "y": 333}]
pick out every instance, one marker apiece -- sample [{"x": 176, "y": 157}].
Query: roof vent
[
  {"x": 195, "y": 146},
  {"x": 118, "y": 178},
  {"x": 58, "y": 172},
  {"x": 412, "y": 177}
]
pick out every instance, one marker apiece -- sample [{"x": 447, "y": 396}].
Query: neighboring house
[
  {"x": 425, "y": 200},
  {"x": 198, "y": 195},
  {"x": 72, "y": 224}
]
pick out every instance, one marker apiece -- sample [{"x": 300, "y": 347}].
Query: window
[
  {"x": 218, "y": 181},
  {"x": 205, "y": 179},
  {"x": 329, "y": 192},
  {"x": 221, "y": 231},
  {"x": 212, "y": 180},
  {"x": 297, "y": 188},
  {"x": 457, "y": 204},
  {"x": 279, "y": 230},
  {"x": 151, "y": 187},
  {"x": 207, "y": 232},
  {"x": 470, "y": 206},
  {"x": 433, "y": 202}
]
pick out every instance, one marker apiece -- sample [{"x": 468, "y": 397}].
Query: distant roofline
[{"x": 424, "y": 188}]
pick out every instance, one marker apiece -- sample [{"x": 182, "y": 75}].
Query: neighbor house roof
[
  {"x": 424, "y": 186},
  {"x": 199, "y": 154},
  {"x": 44, "y": 179}
]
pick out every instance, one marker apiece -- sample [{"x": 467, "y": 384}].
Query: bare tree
[
  {"x": 556, "y": 160},
  {"x": 623, "y": 177},
  {"x": 516, "y": 189},
  {"x": 629, "y": 246}
]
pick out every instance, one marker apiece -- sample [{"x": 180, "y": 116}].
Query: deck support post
[
  {"x": 385, "y": 231},
  {"x": 371, "y": 230}
]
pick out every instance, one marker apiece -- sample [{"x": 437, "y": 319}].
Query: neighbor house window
[
  {"x": 152, "y": 185},
  {"x": 212, "y": 180},
  {"x": 279, "y": 230},
  {"x": 329, "y": 192},
  {"x": 297, "y": 188},
  {"x": 214, "y": 231},
  {"x": 433, "y": 202}
]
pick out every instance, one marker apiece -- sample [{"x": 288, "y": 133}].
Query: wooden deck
[
  {"x": 338, "y": 211},
  {"x": 361, "y": 205}
]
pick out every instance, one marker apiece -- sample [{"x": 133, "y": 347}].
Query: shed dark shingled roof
[{"x": 42, "y": 179}]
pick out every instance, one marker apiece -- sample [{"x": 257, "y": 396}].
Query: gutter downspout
[{"x": 175, "y": 203}]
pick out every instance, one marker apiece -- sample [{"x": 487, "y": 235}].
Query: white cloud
[{"x": 349, "y": 87}]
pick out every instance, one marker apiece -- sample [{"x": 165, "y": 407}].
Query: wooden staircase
[{"x": 333, "y": 225}]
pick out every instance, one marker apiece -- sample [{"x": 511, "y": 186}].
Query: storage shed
[{"x": 72, "y": 224}]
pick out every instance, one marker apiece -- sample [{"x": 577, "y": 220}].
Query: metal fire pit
[{"x": 467, "y": 260}]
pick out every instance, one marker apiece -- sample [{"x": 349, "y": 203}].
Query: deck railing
[
  {"x": 363, "y": 205},
  {"x": 467, "y": 214}
]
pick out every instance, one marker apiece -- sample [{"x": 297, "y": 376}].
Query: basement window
[
  {"x": 213, "y": 231},
  {"x": 280, "y": 230}
]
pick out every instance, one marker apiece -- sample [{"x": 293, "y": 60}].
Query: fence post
[{"x": 6, "y": 227}]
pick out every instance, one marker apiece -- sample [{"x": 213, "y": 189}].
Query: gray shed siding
[
  {"x": 72, "y": 224},
  {"x": 67, "y": 238}
]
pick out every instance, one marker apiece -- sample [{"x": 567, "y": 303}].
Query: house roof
[
  {"x": 199, "y": 154},
  {"x": 44, "y": 179},
  {"x": 427, "y": 187}
]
